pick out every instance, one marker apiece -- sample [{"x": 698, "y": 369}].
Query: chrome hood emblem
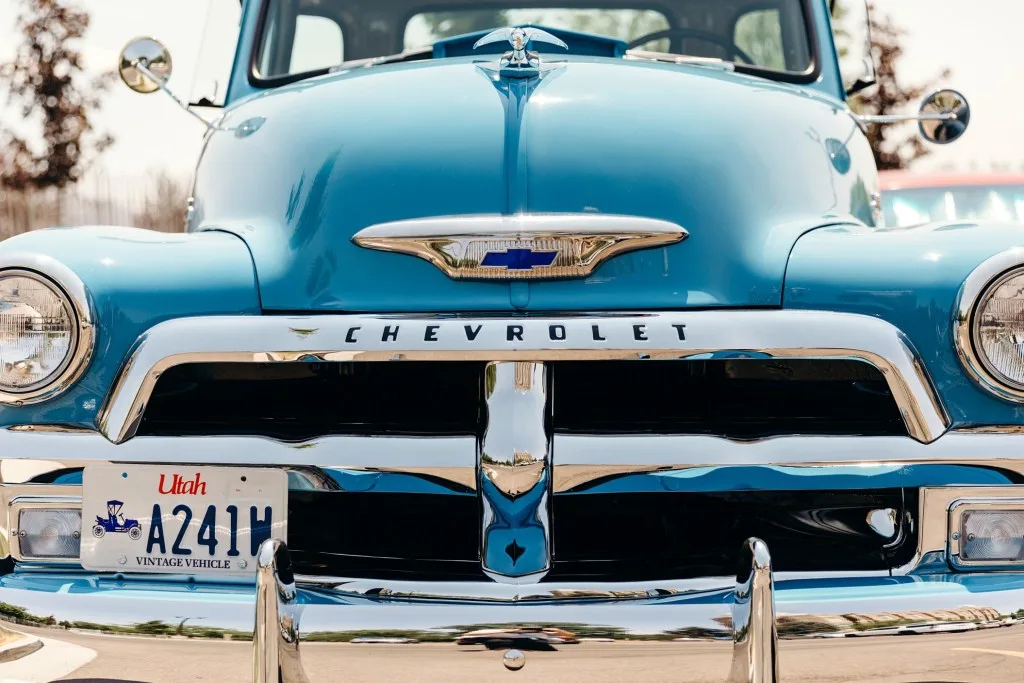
[
  {"x": 522, "y": 247},
  {"x": 520, "y": 62}
]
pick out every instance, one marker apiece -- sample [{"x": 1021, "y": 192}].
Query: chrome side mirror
[
  {"x": 943, "y": 117},
  {"x": 144, "y": 65},
  {"x": 943, "y": 131}
]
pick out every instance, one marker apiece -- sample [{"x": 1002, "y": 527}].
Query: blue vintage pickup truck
[{"x": 565, "y": 341}]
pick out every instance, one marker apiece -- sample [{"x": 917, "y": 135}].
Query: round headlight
[
  {"x": 38, "y": 333},
  {"x": 999, "y": 329},
  {"x": 990, "y": 325}
]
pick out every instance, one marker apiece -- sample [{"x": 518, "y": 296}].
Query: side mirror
[
  {"x": 942, "y": 103},
  {"x": 943, "y": 117},
  {"x": 144, "y": 65}
]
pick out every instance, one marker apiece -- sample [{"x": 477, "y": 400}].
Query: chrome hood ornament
[
  {"x": 520, "y": 62},
  {"x": 521, "y": 247}
]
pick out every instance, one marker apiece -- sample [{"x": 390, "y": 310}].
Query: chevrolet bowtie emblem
[
  {"x": 518, "y": 259},
  {"x": 523, "y": 247}
]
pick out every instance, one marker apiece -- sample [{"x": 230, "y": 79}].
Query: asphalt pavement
[{"x": 985, "y": 656}]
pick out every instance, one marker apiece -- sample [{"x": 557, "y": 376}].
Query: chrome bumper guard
[{"x": 276, "y": 637}]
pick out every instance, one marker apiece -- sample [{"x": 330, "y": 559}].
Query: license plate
[{"x": 180, "y": 520}]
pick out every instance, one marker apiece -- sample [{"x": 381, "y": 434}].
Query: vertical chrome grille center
[{"x": 514, "y": 473}]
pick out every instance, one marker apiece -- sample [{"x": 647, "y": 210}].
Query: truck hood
[{"x": 743, "y": 164}]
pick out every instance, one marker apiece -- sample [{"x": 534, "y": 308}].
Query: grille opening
[
  {"x": 599, "y": 537},
  {"x": 295, "y": 401},
  {"x": 384, "y": 535},
  {"x": 644, "y": 536},
  {"x": 736, "y": 398}
]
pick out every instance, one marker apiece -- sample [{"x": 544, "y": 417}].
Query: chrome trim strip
[
  {"x": 502, "y": 593},
  {"x": 666, "y": 336},
  {"x": 982, "y": 279},
  {"x": 276, "y": 633},
  {"x": 55, "y": 273},
  {"x": 755, "y": 638},
  {"x": 423, "y": 455},
  {"x": 580, "y": 459},
  {"x": 578, "y": 243},
  {"x": 514, "y": 474}
]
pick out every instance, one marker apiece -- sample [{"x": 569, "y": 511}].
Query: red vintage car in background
[{"x": 914, "y": 198}]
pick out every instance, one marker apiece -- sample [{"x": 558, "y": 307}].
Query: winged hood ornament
[{"x": 519, "y": 61}]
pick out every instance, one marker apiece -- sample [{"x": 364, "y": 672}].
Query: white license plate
[{"x": 180, "y": 520}]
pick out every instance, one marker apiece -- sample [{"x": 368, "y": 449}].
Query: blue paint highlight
[{"x": 519, "y": 259}]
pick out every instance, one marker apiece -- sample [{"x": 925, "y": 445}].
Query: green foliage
[{"x": 153, "y": 628}]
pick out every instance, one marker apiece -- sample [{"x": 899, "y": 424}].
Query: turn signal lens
[
  {"x": 999, "y": 330},
  {"x": 49, "y": 533},
  {"x": 37, "y": 332},
  {"x": 992, "y": 535}
]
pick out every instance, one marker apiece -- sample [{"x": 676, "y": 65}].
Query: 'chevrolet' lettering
[{"x": 608, "y": 332}]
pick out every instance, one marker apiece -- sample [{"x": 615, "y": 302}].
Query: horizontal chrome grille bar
[
  {"x": 578, "y": 459},
  {"x": 643, "y": 336}
]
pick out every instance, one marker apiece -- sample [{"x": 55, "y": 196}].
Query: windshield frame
[{"x": 809, "y": 75}]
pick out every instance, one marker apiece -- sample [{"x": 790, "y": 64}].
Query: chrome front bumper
[{"x": 968, "y": 628}]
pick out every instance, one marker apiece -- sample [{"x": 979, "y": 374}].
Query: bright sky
[{"x": 977, "y": 40}]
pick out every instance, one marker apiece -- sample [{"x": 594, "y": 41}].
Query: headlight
[
  {"x": 45, "y": 336},
  {"x": 990, "y": 334}
]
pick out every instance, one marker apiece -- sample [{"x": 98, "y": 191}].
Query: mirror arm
[
  {"x": 903, "y": 118},
  {"x": 142, "y": 66}
]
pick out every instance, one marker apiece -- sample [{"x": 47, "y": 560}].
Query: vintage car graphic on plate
[
  {"x": 115, "y": 522},
  {"x": 500, "y": 326}
]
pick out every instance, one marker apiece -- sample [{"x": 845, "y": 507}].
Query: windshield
[
  {"x": 310, "y": 36},
  {"x": 921, "y": 205}
]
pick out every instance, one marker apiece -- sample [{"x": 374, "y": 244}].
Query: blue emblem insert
[{"x": 518, "y": 259}]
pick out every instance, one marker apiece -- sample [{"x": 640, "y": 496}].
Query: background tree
[
  {"x": 46, "y": 81},
  {"x": 895, "y": 147}
]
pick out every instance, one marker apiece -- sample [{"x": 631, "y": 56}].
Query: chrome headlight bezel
[
  {"x": 982, "y": 281},
  {"x": 67, "y": 285}
]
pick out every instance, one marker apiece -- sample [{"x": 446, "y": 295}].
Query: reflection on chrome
[
  {"x": 514, "y": 473},
  {"x": 755, "y": 649},
  {"x": 276, "y": 635},
  {"x": 825, "y": 625}
]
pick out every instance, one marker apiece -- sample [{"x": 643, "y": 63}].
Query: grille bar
[
  {"x": 679, "y": 336},
  {"x": 514, "y": 473}
]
